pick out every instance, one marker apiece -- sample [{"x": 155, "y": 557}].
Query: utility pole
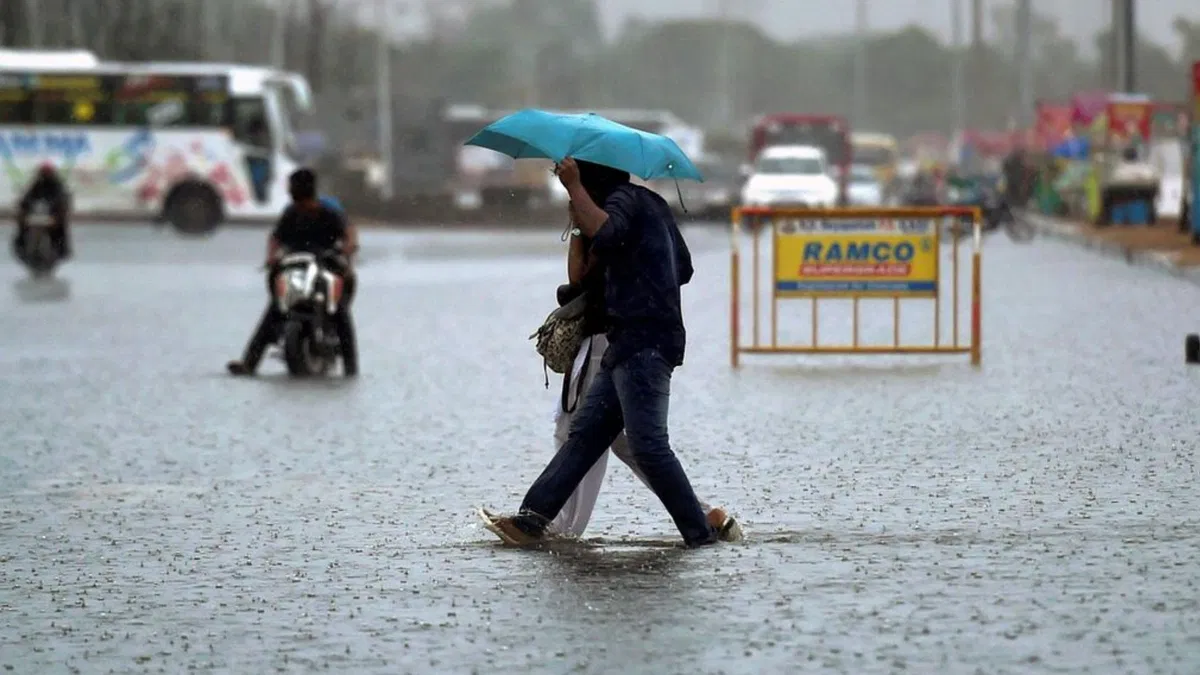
[
  {"x": 978, "y": 67},
  {"x": 383, "y": 93},
  {"x": 959, "y": 102},
  {"x": 317, "y": 15},
  {"x": 859, "y": 111},
  {"x": 1025, "y": 84},
  {"x": 1122, "y": 46},
  {"x": 1128, "y": 81}
]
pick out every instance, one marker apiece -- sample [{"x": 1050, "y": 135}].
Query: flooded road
[{"x": 1037, "y": 515}]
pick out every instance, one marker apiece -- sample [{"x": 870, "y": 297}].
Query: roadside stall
[{"x": 1127, "y": 183}]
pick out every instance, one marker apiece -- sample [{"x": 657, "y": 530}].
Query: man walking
[{"x": 646, "y": 261}]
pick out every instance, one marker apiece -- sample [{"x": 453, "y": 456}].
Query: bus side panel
[
  {"x": 129, "y": 171},
  {"x": 102, "y": 168},
  {"x": 213, "y": 157}
]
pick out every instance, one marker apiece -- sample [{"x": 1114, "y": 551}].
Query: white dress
[{"x": 575, "y": 514}]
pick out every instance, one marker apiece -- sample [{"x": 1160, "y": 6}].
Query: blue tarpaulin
[{"x": 1073, "y": 148}]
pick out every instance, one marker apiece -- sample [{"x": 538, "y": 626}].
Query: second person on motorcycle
[
  {"x": 47, "y": 187},
  {"x": 309, "y": 225}
]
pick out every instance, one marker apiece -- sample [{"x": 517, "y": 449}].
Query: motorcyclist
[
  {"x": 309, "y": 224},
  {"x": 47, "y": 186}
]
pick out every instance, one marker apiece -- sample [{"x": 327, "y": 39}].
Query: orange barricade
[{"x": 852, "y": 255}]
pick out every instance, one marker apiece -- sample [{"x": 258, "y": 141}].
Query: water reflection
[{"x": 46, "y": 289}]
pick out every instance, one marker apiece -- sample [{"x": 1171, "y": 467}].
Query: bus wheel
[{"x": 193, "y": 208}]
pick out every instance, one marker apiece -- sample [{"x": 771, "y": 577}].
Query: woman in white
[{"x": 586, "y": 277}]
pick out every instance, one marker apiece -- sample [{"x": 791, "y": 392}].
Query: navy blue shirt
[
  {"x": 645, "y": 262},
  {"x": 315, "y": 229}
]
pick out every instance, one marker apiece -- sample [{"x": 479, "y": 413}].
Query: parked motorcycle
[
  {"x": 39, "y": 251},
  {"x": 308, "y": 293}
]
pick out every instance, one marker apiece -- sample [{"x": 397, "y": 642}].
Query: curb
[{"x": 1162, "y": 262}]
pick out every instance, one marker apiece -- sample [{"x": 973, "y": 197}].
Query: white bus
[{"x": 193, "y": 144}]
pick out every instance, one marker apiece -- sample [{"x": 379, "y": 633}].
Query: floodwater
[{"x": 1036, "y": 515}]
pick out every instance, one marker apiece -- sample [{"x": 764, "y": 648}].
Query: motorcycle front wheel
[{"x": 300, "y": 351}]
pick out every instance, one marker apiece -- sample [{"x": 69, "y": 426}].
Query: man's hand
[{"x": 568, "y": 173}]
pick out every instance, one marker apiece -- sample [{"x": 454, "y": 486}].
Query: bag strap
[{"x": 587, "y": 363}]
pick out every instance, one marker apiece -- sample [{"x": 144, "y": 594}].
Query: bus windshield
[{"x": 873, "y": 155}]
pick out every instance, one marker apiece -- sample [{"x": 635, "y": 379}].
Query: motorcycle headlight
[{"x": 293, "y": 287}]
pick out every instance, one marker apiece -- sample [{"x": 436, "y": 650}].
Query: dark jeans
[
  {"x": 272, "y": 320},
  {"x": 633, "y": 395}
]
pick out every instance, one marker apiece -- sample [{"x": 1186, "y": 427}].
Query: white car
[
  {"x": 790, "y": 175},
  {"x": 864, "y": 188}
]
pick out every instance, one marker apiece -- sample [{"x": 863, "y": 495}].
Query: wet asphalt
[{"x": 903, "y": 514}]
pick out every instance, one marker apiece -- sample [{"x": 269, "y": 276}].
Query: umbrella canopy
[{"x": 538, "y": 134}]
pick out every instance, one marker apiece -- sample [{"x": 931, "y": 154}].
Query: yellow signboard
[{"x": 853, "y": 256}]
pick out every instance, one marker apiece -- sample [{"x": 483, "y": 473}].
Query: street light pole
[
  {"x": 724, "y": 67},
  {"x": 1024, "y": 30},
  {"x": 383, "y": 94},
  {"x": 860, "y": 65},
  {"x": 958, "y": 84}
]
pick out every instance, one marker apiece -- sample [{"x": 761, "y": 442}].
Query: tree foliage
[{"x": 550, "y": 52}]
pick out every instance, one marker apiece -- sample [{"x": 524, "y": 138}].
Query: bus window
[
  {"x": 66, "y": 98},
  {"x": 873, "y": 155},
  {"x": 14, "y": 102},
  {"x": 14, "y": 108},
  {"x": 14, "y": 112},
  {"x": 207, "y": 113},
  {"x": 67, "y": 110}
]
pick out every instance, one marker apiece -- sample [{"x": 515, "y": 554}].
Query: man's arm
[
  {"x": 350, "y": 237},
  {"x": 589, "y": 216},
  {"x": 273, "y": 240},
  {"x": 607, "y": 227},
  {"x": 580, "y": 259}
]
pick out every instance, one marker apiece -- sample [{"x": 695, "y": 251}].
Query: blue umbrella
[{"x": 537, "y": 134}]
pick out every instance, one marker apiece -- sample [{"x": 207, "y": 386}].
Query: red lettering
[{"x": 853, "y": 270}]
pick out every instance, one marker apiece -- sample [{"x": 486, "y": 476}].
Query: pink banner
[
  {"x": 1053, "y": 123},
  {"x": 1086, "y": 106}
]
